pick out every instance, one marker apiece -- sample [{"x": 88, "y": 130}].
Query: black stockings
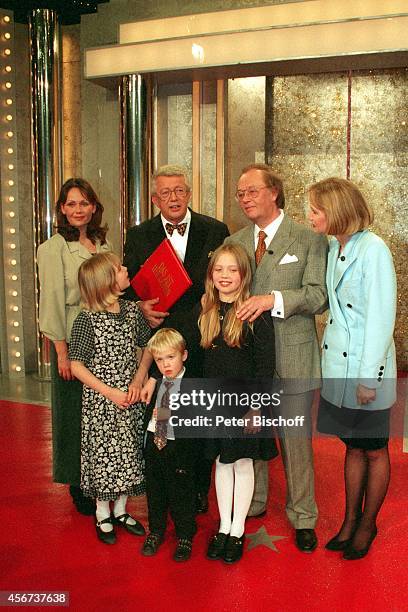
[{"x": 366, "y": 477}]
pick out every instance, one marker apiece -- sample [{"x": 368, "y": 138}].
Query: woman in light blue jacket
[{"x": 358, "y": 355}]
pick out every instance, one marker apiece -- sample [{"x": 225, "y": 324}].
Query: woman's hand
[
  {"x": 148, "y": 390},
  {"x": 365, "y": 395},
  {"x": 63, "y": 361}
]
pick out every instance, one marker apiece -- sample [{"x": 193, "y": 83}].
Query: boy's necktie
[
  {"x": 180, "y": 227},
  {"x": 160, "y": 432},
  {"x": 261, "y": 247}
]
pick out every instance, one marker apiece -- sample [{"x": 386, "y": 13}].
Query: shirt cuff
[{"x": 278, "y": 309}]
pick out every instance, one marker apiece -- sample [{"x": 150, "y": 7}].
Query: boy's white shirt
[{"x": 174, "y": 389}]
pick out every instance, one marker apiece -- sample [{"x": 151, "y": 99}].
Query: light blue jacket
[{"x": 358, "y": 345}]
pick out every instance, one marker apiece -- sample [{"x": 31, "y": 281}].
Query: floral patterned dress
[{"x": 112, "y": 438}]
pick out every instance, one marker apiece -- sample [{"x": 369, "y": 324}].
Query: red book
[{"x": 162, "y": 275}]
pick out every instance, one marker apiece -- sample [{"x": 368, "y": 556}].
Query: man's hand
[
  {"x": 365, "y": 395},
  {"x": 255, "y": 306},
  {"x": 64, "y": 367},
  {"x": 153, "y": 317}
]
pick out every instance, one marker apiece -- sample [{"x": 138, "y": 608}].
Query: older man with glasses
[
  {"x": 289, "y": 265},
  {"x": 194, "y": 237}
]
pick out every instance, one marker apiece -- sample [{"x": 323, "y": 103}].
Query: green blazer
[
  {"x": 58, "y": 265},
  {"x": 303, "y": 287}
]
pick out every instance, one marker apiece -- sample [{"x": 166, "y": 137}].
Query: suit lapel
[
  {"x": 156, "y": 233},
  {"x": 197, "y": 237},
  {"x": 247, "y": 240}
]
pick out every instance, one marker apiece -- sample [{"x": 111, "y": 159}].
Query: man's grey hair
[{"x": 171, "y": 170}]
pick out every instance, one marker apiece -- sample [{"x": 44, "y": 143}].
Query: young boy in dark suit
[{"x": 169, "y": 461}]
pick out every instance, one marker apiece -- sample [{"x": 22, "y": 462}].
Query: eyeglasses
[
  {"x": 179, "y": 192},
  {"x": 253, "y": 192}
]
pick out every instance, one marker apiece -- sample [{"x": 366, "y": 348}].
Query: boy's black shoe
[
  {"x": 217, "y": 545},
  {"x": 183, "y": 550},
  {"x": 234, "y": 549},
  {"x": 151, "y": 544}
]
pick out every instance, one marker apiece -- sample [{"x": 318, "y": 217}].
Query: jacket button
[
  {"x": 381, "y": 367},
  {"x": 349, "y": 306},
  {"x": 344, "y": 354},
  {"x": 331, "y": 321},
  {"x": 380, "y": 373},
  {"x": 342, "y": 258},
  {"x": 326, "y": 347},
  {"x": 379, "y": 379}
]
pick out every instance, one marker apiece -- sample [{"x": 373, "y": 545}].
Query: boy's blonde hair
[
  {"x": 97, "y": 281},
  {"x": 343, "y": 204},
  {"x": 209, "y": 319},
  {"x": 164, "y": 339}
]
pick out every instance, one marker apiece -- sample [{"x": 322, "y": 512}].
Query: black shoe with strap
[
  {"x": 107, "y": 537},
  {"x": 234, "y": 549},
  {"x": 135, "y": 528},
  {"x": 183, "y": 550},
  {"x": 151, "y": 544},
  {"x": 217, "y": 545}
]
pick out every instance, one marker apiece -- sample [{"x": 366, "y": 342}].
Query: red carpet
[{"x": 46, "y": 545}]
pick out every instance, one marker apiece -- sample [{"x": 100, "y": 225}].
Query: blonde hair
[
  {"x": 209, "y": 319},
  {"x": 166, "y": 338},
  {"x": 97, "y": 281},
  {"x": 271, "y": 180},
  {"x": 343, "y": 204},
  {"x": 170, "y": 170}
]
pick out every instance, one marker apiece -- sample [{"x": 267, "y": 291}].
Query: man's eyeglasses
[
  {"x": 253, "y": 192},
  {"x": 179, "y": 192}
]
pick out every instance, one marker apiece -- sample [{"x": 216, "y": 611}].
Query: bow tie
[{"x": 181, "y": 228}]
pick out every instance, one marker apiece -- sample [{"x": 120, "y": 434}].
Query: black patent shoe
[
  {"x": 201, "y": 503},
  {"x": 151, "y": 544},
  {"x": 234, "y": 549},
  {"x": 135, "y": 528},
  {"x": 107, "y": 537},
  {"x": 217, "y": 545},
  {"x": 337, "y": 545},
  {"x": 183, "y": 550},
  {"x": 353, "y": 554},
  {"x": 306, "y": 540}
]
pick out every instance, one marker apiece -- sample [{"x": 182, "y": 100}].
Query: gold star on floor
[{"x": 262, "y": 537}]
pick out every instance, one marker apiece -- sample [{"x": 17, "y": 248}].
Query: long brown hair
[
  {"x": 94, "y": 231},
  {"x": 209, "y": 319}
]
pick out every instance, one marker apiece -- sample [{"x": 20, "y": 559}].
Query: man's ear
[
  {"x": 185, "y": 355},
  {"x": 156, "y": 201}
]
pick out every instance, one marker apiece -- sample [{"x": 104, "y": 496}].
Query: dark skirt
[
  {"x": 66, "y": 402},
  {"x": 357, "y": 428},
  {"x": 231, "y": 449}
]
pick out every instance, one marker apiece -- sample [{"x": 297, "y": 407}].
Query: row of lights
[{"x": 10, "y": 226}]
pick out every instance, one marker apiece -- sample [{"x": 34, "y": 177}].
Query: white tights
[{"x": 234, "y": 484}]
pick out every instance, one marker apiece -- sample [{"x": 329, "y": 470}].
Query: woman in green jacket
[{"x": 79, "y": 236}]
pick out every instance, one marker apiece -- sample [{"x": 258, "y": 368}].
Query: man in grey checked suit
[{"x": 289, "y": 282}]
